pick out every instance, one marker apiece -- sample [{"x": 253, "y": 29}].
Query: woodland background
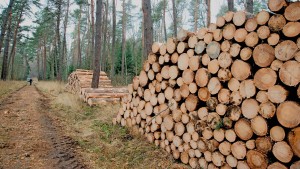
[{"x": 44, "y": 50}]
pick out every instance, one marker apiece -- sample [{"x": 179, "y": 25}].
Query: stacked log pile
[
  {"x": 226, "y": 96},
  {"x": 82, "y": 78},
  {"x": 102, "y": 95},
  {"x": 79, "y": 82}
]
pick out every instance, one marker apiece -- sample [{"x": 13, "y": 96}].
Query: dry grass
[
  {"x": 104, "y": 145},
  {"x": 7, "y": 87},
  {"x": 51, "y": 87}
]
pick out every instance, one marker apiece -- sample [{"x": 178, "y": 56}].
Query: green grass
[{"x": 104, "y": 145}]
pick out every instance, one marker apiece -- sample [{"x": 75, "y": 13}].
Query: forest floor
[
  {"x": 30, "y": 138},
  {"x": 43, "y": 127}
]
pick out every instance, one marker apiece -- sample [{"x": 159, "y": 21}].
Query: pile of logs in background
[
  {"x": 79, "y": 82},
  {"x": 226, "y": 96}
]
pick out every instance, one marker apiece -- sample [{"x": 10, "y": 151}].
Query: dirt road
[{"x": 30, "y": 138}]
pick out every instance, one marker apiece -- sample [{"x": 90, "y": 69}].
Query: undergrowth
[
  {"x": 103, "y": 145},
  {"x": 7, "y": 87}
]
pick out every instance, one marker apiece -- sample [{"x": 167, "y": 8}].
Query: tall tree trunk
[
  {"x": 88, "y": 37},
  {"x": 93, "y": 31},
  {"x": 208, "y": 13},
  {"x": 164, "y": 20},
  {"x": 13, "y": 49},
  {"x": 143, "y": 40},
  {"x": 45, "y": 59},
  {"x": 6, "y": 18},
  {"x": 174, "y": 18},
  {"x": 123, "y": 38},
  {"x": 58, "y": 47},
  {"x": 113, "y": 39},
  {"x": 88, "y": 48},
  {"x": 249, "y": 6},
  {"x": 78, "y": 38},
  {"x": 64, "y": 47},
  {"x": 38, "y": 60},
  {"x": 230, "y": 4},
  {"x": 196, "y": 13},
  {"x": 97, "y": 53},
  {"x": 104, "y": 54},
  {"x": 6, "y": 49},
  {"x": 148, "y": 27}
]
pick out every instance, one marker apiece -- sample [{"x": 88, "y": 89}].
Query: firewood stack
[
  {"x": 79, "y": 82},
  {"x": 226, "y": 96}
]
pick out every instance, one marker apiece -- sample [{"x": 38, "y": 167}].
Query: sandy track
[{"x": 29, "y": 137}]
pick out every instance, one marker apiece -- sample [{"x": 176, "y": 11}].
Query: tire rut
[
  {"x": 63, "y": 150},
  {"x": 31, "y": 136}
]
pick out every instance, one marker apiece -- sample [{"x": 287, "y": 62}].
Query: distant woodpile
[
  {"x": 226, "y": 96},
  {"x": 79, "y": 82}
]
